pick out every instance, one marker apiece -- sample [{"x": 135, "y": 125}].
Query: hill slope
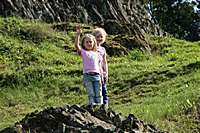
[{"x": 39, "y": 68}]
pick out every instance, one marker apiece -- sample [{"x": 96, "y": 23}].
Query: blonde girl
[
  {"x": 91, "y": 67},
  {"x": 100, "y": 35}
]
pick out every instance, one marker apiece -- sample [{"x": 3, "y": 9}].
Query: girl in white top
[{"x": 100, "y": 35}]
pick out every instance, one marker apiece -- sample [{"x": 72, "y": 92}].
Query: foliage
[{"x": 178, "y": 18}]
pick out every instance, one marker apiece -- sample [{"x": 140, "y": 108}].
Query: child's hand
[
  {"x": 78, "y": 30},
  {"x": 105, "y": 75}
]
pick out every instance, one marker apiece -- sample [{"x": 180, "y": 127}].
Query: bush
[
  {"x": 137, "y": 55},
  {"x": 25, "y": 29}
]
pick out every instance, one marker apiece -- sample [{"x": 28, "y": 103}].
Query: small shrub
[
  {"x": 137, "y": 55},
  {"x": 25, "y": 29},
  {"x": 34, "y": 33}
]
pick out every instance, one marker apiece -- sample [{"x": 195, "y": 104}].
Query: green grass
[
  {"x": 161, "y": 87},
  {"x": 36, "y": 72}
]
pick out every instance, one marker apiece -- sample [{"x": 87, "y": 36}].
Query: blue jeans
[
  {"x": 92, "y": 84},
  {"x": 104, "y": 92}
]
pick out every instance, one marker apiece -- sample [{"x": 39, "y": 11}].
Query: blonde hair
[
  {"x": 98, "y": 30},
  {"x": 92, "y": 38}
]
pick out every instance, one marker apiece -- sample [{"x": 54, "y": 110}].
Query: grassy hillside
[{"x": 39, "y": 68}]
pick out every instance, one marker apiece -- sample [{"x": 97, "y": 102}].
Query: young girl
[
  {"x": 91, "y": 66},
  {"x": 100, "y": 35}
]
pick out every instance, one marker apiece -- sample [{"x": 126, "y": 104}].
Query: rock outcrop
[
  {"x": 116, "y": 16},
  {"x": 76, "y": 119}
]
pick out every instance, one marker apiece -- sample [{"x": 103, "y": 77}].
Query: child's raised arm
[{"x": 77, "y": 43}]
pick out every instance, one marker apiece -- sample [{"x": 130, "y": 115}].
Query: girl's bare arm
[{"x": 105, "y": 67}]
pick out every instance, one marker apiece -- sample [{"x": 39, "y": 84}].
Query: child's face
[
  {"x": 88, "y": 43},
  {"x": 99, "y": 38}
]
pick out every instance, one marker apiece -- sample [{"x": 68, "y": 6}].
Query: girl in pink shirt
[{"x": 91, "y": 67}]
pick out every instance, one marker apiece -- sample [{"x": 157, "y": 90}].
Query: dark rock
[
  {"x": 115, "y": 27},
  {"x": 79, "y": 119},
  {"x": 116, "y": 16}
]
